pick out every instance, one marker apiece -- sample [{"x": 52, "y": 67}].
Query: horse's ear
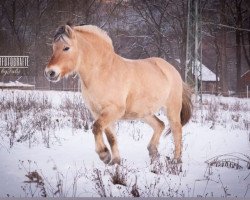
[{"x": 69, "y": 31}]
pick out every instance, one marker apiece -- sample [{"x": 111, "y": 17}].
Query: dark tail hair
[{"x": 187, "y": 106}]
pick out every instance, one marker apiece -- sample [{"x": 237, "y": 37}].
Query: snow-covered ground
[
  {"x": 47, "y": 149},
  {"x": 16, "y": 84}
]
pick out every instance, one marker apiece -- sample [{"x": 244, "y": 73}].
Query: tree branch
[{"x": 226, "y": 26}]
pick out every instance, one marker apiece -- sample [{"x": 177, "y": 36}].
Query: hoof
[
  {"x": 115, "y": 161},
  {"x": 177, "y": 161},
  {"x": 153, "y": 154},
  {"x": 105, "y": 156},
  {"x": 154, "y": 158}
]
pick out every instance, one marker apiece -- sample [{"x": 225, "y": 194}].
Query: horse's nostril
[{"x": 51, "y": 73}]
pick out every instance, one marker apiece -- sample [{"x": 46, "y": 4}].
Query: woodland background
[{"x": 138, "y": 28}]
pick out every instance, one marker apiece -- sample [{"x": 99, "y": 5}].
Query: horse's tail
[{"x": 187, "y": 106}]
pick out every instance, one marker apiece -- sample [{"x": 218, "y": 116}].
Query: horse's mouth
[{"x": 55, "y": 78}]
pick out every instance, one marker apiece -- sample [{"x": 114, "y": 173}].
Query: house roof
[
  {"x": 207, "y": 74},
  {"x": 246, "y": 73}
]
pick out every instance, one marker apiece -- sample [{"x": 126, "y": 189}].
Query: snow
[
  {"x": 207, "y": 74},
  {"x": 15, "y": 84},
  {"x": 71, "y": 164}
]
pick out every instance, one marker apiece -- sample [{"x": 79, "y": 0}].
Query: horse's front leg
[
  {"x": 113, "y": 144},
  {"x": 108, "y": 116}
]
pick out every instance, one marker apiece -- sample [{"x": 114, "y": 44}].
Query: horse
[{"x": 115, "y": 88}]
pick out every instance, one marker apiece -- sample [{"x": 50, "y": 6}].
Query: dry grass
[
  {"x": 38, "y": 185},
  {"x": 75, "y": 108},
  {"x": 166, "y": 165},
  {"x": 27, "y": 117},
  {"x": 118, "y": 176}
]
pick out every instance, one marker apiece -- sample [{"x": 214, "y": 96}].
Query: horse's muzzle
[{"x": 51, "y": 75}]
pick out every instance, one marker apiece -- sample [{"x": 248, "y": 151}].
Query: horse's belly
[{"x": 141, "y": 109}]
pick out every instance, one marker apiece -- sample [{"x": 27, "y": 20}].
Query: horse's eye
[{"x": 66, "y": 49}]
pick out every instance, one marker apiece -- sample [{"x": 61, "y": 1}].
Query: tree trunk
[
  {"x": 238, "y": 43},
  {"x": 223, "y": 52}
]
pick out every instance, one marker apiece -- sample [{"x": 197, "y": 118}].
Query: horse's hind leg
[
  {"x": 113, "y": 144},
  {"x": 158, "y": 126},
  {"x": 173, "y": 113}
]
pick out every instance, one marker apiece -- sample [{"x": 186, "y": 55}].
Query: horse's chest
[{"x": 94, "y": 103}]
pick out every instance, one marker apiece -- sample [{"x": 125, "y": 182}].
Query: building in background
[
  {"x": 245, "y": 83},
  {"x": 208, "y": 78}
]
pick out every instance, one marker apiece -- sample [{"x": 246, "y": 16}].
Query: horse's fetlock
[
  {"x": 152, "y": 148},
  {"x": 105, "y": 149},
  {"x": 104, "y": 155},
  {"x": 101, "y": 150},
  {"x": 115, "y": 160}
]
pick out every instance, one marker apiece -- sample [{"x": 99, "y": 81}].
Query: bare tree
[
  {"x": 237, "y": 13},
  {"x": 154, "y": 14},
  {"x": 223, "y": 70},
  {"x": 138, "y": 29},
  {"x": 16, "y": 14}
]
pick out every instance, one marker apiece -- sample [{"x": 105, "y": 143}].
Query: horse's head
[{"x": 65, "y": 54}]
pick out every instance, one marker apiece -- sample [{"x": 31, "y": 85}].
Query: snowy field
[{"x": 47, "y": 149}]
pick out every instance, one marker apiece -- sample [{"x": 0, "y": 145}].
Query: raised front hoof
[
  {"x": 115, "y": 161},
  {"x": 105, "y": 156}
]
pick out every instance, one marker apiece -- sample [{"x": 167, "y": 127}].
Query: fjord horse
[{"x": 116, "y": 88}]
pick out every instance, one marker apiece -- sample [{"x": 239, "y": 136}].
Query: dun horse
[{"x": 115, "y": 88}]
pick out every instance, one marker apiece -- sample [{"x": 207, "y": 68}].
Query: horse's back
[
  {"x": 175, "y": 83},
  {"x": 155, "y": 72}
]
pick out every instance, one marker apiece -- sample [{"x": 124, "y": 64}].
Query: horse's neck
[
  {"x": 95, "y": 58},
  {"x": 94, "y": 68}
]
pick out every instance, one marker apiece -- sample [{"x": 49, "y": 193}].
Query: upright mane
[{"x": 97, "y": 31}]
